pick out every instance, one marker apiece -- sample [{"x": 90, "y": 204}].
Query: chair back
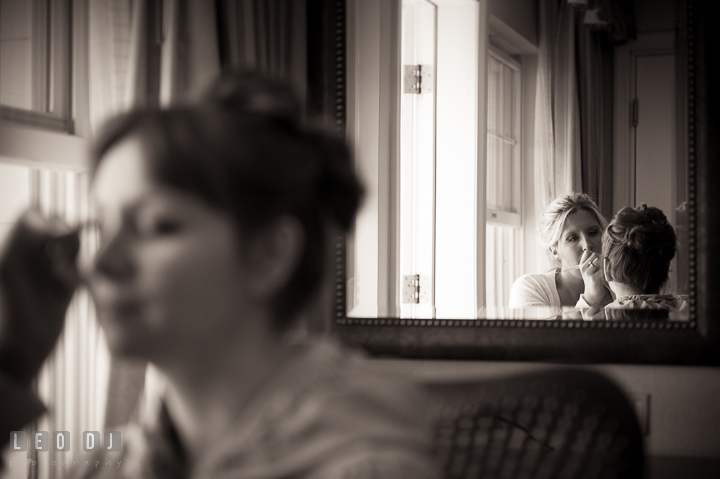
[{"x": 565, "y": 423}]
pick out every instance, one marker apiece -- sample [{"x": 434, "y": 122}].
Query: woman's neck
[
  {"x": 570, "y": 286},
  {"x": 622, "y": 290},
  {"x": 207, "y": 392}
]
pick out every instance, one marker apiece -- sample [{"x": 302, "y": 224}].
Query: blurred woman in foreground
[{"x": 214, "y": 223}]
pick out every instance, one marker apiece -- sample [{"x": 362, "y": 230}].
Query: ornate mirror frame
[{"x": 693, "y": 342}]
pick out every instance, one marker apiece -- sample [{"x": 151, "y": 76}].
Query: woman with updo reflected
[{"x": 638, "y": 247}]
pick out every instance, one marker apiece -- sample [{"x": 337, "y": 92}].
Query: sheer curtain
[
  {"x": 557, "y": 120},
  {"x": 73, "y": 381},
  {"x": 145, "y": 52},
  {"x": 574, "y": 100},
  {"x": 557, "y": 115}
]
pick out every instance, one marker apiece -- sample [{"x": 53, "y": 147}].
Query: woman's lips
[{"x": 120, "y": 309}]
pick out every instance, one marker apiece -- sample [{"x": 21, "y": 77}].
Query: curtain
[
  {"x": 557, "y": 127},
  {"x": 264, "y": 35},
  {"x": 145, "y": 53},
  {"x": 73, "y": 381},
  {"x": 574, "y": 100},
  {"x": 557, "y": 116},
  {"x": 595, "y": 73},
  {"x": 605, "y": 23}
]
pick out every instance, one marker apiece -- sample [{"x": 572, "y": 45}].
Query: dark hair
[
  {"x": 638, "y": 246},
  {"x": 244, "y": 150}
]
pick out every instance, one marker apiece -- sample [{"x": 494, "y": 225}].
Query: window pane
[
  {"x": 502, "y": 138},
  {"x": 16, "y": 67},
  {"x": 503, "y": 228}
]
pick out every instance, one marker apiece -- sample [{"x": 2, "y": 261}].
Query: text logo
[
  {"x": 18, "y": 441},
  {"x": 61, "y": 441},
  {"x": 41, "y": 441},
  {"x": 91, "y": 441},
  {"x": 112, "y": 441}
]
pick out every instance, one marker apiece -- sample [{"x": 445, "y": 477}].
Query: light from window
[{"x": 503, "y": 229}]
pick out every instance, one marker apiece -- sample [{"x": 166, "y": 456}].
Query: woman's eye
[
  {"x": 158, "y": 226},
  {"x": 165, "y": 226}
]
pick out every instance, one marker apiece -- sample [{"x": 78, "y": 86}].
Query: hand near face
[
  {"x": 593, "y": 277},
  {"x": 37, "y": 280}
]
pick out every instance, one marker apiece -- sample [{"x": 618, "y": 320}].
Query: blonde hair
[{"x": 553, "y": 218}]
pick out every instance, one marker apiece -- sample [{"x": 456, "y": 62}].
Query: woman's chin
[
  {"x": 125, "y": 341},
  {"x": 573, "y": 271}
]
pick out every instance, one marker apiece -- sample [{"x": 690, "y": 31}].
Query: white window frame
[
  {"x": 495, "y": 216},
  {"x": 53, "y": 59},
  {"x": 500, "y": 279}
]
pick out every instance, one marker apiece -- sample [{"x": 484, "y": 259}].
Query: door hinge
[
  {"x": 416, "y": 289},
  {"x": 412, "y": 79}
]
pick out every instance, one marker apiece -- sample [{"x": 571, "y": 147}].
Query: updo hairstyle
[
  {"x": 552, "y": 221},
  {"x": 244, "y": 150},
  {"x": 638, "y": 246}
]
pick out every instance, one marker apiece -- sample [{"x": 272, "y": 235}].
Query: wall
[
  {"x": 655, "y": 15},
  {"x": 684, "y": 416},
  {"x": 520, "y": 15}
]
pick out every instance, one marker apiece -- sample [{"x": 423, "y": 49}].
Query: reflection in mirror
[{"x": 481, "y": 127}]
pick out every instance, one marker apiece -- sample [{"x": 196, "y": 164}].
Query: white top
[
  {"x": 328, "y": 414},
  {"x": 532, "y": 290}
]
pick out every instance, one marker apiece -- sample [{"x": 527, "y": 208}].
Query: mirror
[
  {"x": 468, "y": 326},
  {"x": 450, "y": 233}
]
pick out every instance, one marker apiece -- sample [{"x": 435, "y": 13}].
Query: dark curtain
[
  {"x": 602, "y": 25},
  {"x": 268, "y": 36},
  {"x": 595, "y": 92}
]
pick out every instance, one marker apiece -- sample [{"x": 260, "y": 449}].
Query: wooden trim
[
  {"x": 60, "y": 84},
  {"x": 508, "y": 39},
  {"x": 33, "y": 119},
  {"x": 42, "y": 148},
  {"x": 80, "y": 111},
  {"x": 703, "y": 103}
]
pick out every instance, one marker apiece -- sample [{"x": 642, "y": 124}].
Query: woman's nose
[
  {"x": 585, "y": 243},
  {"x": 110, "y": 258}
]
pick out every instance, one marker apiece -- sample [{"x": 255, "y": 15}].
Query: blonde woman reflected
[{"x": 570, "y": 231}]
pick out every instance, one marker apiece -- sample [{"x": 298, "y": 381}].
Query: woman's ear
[{"x": 274, "y": 254}]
